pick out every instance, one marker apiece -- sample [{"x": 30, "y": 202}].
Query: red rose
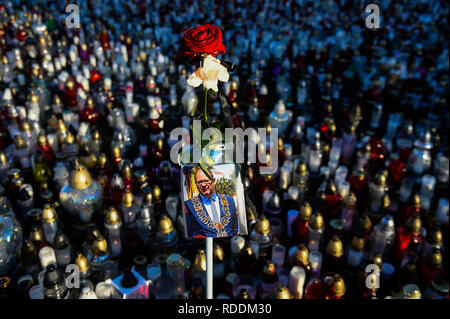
[{"x": 204, "y": 39}]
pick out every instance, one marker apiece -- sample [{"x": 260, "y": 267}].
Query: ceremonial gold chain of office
[{"x": 204, "y": 217}]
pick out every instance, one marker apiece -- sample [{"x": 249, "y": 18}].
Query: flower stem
[{"x": 206, "y": 105}]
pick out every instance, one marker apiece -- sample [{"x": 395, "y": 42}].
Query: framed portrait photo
[{"x": 213, "y": 207}]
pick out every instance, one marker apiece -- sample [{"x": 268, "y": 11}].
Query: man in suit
[{"x": 210, "y": 214}]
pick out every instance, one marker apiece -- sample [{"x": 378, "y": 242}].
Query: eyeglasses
[{"x": 204, "y": 183}]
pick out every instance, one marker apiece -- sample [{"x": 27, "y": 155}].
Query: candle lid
[
  {"x": 243, "y": 294},
  {"x": 281, "y": 292},
  {"x": 414, "y": 224},
  {"x": 112, "y": 217},
  {"x": 48, "y": 214},
  {"x": 441, "y": 285},
  {"x": 411, "y": 291},
  {"x": 200, "y": 261},
  {"x": 165, "y": 225},
  {"x": 434, "y": 258},
  {"x": 338, "y": 286},
  {"x": 219, "y": 254},
  {"x": 364, "y": 223},
  {"x": 335, "y": 247},
  {"x": 301, "y": 254},
  {"x": 305, "y": 211},
  {"x": 116, "y": 151},
  {"x": 175, "y": 261},
  {"x": 99, "y": 245},
  {"x": 156, "y": 192},
  {"x": 434, "y": 236},
  {"x": 317, "y": 222},
  {"x": 269, "y": 269},
  {"x": 127, "y": 198},
  {"x": 262, "y": 225},
  {"x": 82, "y": 263},
  {"x": 37, "y": 234},
  {"x": 80, "y": 178}
]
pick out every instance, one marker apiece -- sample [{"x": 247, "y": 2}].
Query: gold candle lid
[
  {"x": 159, "y": 143},
  {"x": 357, "y": 243},
  {"x": 25, "y": 126},
  {"x": 156, "y": 192},
  {"x": 302, "y": 168},
  {"x": 243, "y": 294},
  {"x": 80, "y": 178},
  {"x": 70, "y": 84},
  {"x": 42, "y": 139},
  {"x": 334, "y": 247},
  {"x": 116, "y": 151},
  {"x": 70, "y": 139},
  {"x": 3, "y": 159},
  {"x": 269, "y": 269},
  {"x": 126, "y": 170},
  {"x": 416, "y": 200},
  {"x": 96, "y": 134},
  {"x": 18, "y": 181},
  {"x": 61, "y": 126},
  {"x": 34, "y": 98},
  {"x": 434, "y": 258},
  {"x": 434, "y": 237},
  {"x": 165, "y": 225},
  {"x": 103, "y": 180},
  {"x": 90, "y": 102},
  {"x": 262, "y": 225},
  {"x": 380, "y": 179},
  {"x": 332, "y": 127},
  {"x": 301, "y": 254},
  {"x": 149, "y": 198},
  {"x": 414, "y": 224},
  {"x": 250, "y": 174},
  {"x": 57, "y": 99},
  {"x": 386, "y": 201},
  {"x": 305, "y": 211},
  {"x": 219, "y": 254},
  {"x": 338, "y": 286},
  {"x": 82, "y": 262},
  {"x": 127, "y": 198},
  {"x": 200, "y": 261},
  {"x": 247, "y": 250},
  {"x": 48, "y": 214},
  {"x": 280, "y": 143},
  {"x": 102, "y": 160},
  {"x": 281, "y": 292},
  {"x": 99, "y": 245},
  {"x": 19, "y": 142},
  {"x": 112, "y": 217},
  {"x": 364, "y": 223},
  {"x": 37, "y": 234},
  {"x": 317, "y": 222},
  {"x": 377, "y": 259}
]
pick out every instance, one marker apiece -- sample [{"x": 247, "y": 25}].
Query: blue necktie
[{"x": 215, "y": 213}]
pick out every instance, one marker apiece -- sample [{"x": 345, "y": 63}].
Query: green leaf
[{"x": 204, "y": 169}]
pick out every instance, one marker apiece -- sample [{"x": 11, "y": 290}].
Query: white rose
[{"x": 208, "y": 75}]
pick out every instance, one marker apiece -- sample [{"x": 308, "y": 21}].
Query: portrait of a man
[{"x": 210, "y": 214}]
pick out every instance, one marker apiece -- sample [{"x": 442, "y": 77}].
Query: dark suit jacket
[{"x": 200, "y": 225}]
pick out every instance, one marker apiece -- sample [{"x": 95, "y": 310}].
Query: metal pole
[{"x": 209, "y": 268}]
